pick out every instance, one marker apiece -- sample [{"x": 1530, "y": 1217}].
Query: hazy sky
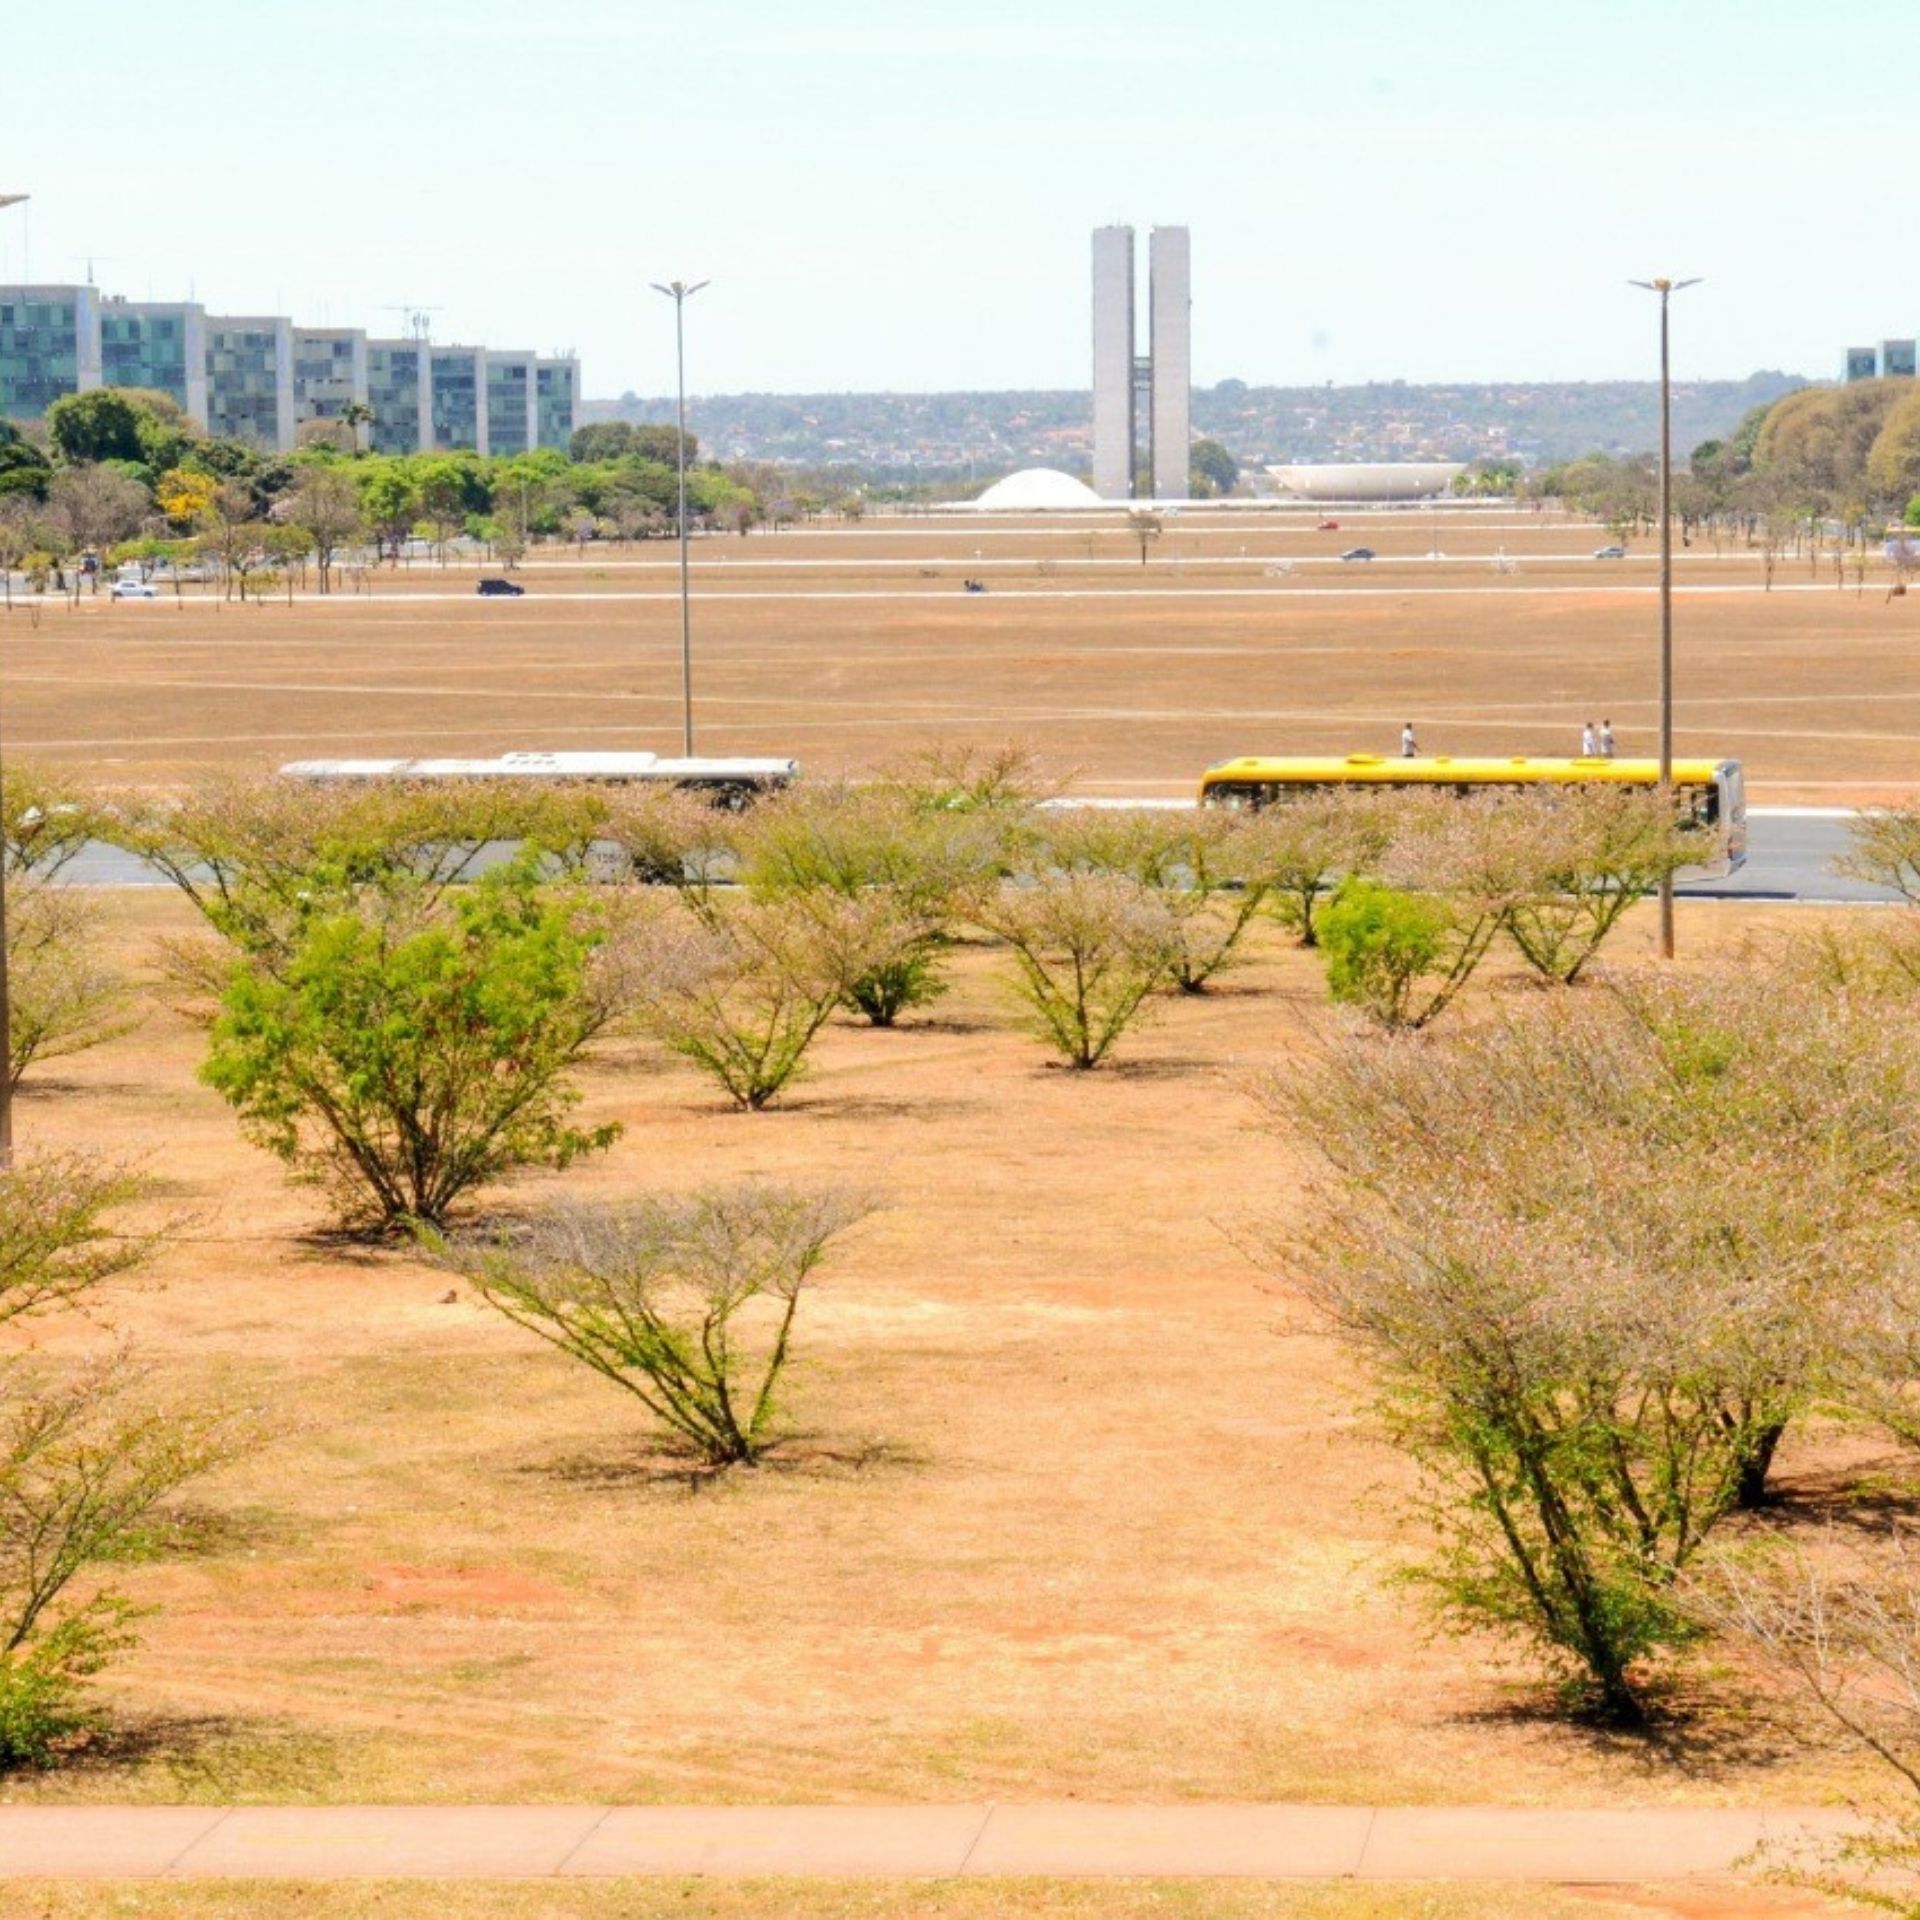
[{"x": 896, "y": 194}]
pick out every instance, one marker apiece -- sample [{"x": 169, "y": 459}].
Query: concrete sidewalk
[{"x": 1068, "y": 1841}]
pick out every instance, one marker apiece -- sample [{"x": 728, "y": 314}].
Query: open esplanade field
[
  {"x": 844, "y": 645},
  {"x": 1082, "y": 1505}
]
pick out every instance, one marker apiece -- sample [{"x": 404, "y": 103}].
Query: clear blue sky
[{"x": 897, "y": 194}]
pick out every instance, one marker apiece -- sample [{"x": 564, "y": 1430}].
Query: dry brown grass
[
  {"x": 1081, "y": 1508},
  {"x": 843, "y": 646}
]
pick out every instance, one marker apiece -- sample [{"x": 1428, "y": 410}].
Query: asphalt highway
[{"x": 1790, "y": 852}]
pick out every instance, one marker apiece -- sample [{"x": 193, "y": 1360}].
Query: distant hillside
[{"x": 954, "y": 435}]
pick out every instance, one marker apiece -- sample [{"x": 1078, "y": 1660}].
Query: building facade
[
  {"x": 1113, "y": 371},
  {"x": 49, "y": 347},
  {"x": 1126, "y": 385},
  {"x": 250, "y": 380},
  {"x": 1170, "y": 302},
  {"x": 329, "y": 373},
  {"x": 400, "y": 392},
  {"x": 457, "y": 406},
  {"x": 558, "y": 393},
  {"x": 260, "y": 378},
  {"x": 1890, "y": 360},
  {"x": 513, "y": 402},
  {"x": 159, "y": 345}
]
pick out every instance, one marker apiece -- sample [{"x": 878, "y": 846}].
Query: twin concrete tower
[{"x": 1160, "y": 383}]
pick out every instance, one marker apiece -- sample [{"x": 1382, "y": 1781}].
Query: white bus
[{"x": 731, "y": 783}]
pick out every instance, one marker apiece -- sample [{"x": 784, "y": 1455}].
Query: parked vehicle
[
  {"x": 1358, "y": 553},
  {"x": 494, "y": 589}
]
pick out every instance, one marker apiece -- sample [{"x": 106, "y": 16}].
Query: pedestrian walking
[
  {"x": 1409, "y": 747},
  {"x": 1606, "y": 739},
  {"x": 1586, "y": 740}
]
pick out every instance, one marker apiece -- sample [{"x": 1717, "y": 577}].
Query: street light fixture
[
  {"x": 1666, "y": 289},
  {"x": 680, "y": 293}
]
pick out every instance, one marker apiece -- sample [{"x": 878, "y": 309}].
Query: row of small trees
[
  {"x": 397, "y": 1001},
  {"x": 402, "y": 1025}
]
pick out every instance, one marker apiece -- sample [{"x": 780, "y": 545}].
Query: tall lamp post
[
  {"x": 1666, "y": 289},
  {"x": 6, "y": 998},
  {"x": 680, "y": 293}
]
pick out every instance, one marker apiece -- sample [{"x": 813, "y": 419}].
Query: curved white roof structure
[
  {"x": 1035, "y": 490},
  {"x": 1369, "y": 480}
]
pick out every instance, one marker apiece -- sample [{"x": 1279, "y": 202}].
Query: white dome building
[
  {"x": 1038, "y": 490},
  {"x": 1369, "y": 480}
]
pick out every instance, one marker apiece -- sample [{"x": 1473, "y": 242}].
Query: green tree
[
  {"x": 1212, "y": 469},
  {"x": 390, "y": 500},
  {"x": 103, "y": 424},
  {"x": 326, "y": 508},
  {"x": 1893, "y": 461},
  {"x": 25, "y": 471},
  {"x": 399, "y": 1054}
]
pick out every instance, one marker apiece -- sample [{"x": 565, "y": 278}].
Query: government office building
[{"x": 260, "y": 378}]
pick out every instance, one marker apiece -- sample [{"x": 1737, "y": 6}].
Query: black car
[
  {"x": 494, "y": 588},
  {"x": 1358, "y": 553}
]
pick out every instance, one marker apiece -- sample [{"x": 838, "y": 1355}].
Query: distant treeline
[{"x": 960, "y": 436}]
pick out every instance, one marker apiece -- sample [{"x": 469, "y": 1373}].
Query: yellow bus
[{"x": 1710, "y": 795}]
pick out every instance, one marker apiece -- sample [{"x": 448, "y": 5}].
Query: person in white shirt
[
  {"x": 1586, "y": 740},
  {"x": 1409, "y": 747},
  {"x": 1606, "y": 739}
]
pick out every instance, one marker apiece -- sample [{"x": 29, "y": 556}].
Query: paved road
[
  {"x": 1788, "y": 858},
  {"x": 1790, "y": 854},
  {"x": 1569, "y": 1847}
]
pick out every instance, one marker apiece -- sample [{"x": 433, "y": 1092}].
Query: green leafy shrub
[
  {"x": 1400, "y": 957},
  {"x": 403, "y": 1048}
]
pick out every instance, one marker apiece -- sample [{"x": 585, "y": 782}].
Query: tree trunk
[{"x": 1750, "y": 1490}]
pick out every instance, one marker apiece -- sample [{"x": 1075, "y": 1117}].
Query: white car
[{"x": 135, "y": 590}]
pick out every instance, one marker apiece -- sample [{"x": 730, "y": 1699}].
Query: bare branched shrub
[
  {"x": 880, "y": 867},
  {"x": 687, "y": 1304},
  {"x": 1591, "y": 855},
  {"x": 258, "y": 856},
  {"x": 742, "y": 993},
  {"x": 83, "y": 1464},
  {"x": 1885, "y": 851},
  {"x": 1088, "y": 950},
  {"x": 44, "y": 820},
  {"x": 666, "y": 837},
  {"x": 1205, "y": 865},
  {"x": 1843, "y": 1629},
  {"x": 1301, "y": 849},
  {"x": 63, "y": 996},
  {"x": 1878, "y": 959},
  {"x": 948, "y": 778},
  {"x": 57, "y": 1237},
  {"x": 84, "y": 1457},
  {"x": 1600, "y": 1254}
]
